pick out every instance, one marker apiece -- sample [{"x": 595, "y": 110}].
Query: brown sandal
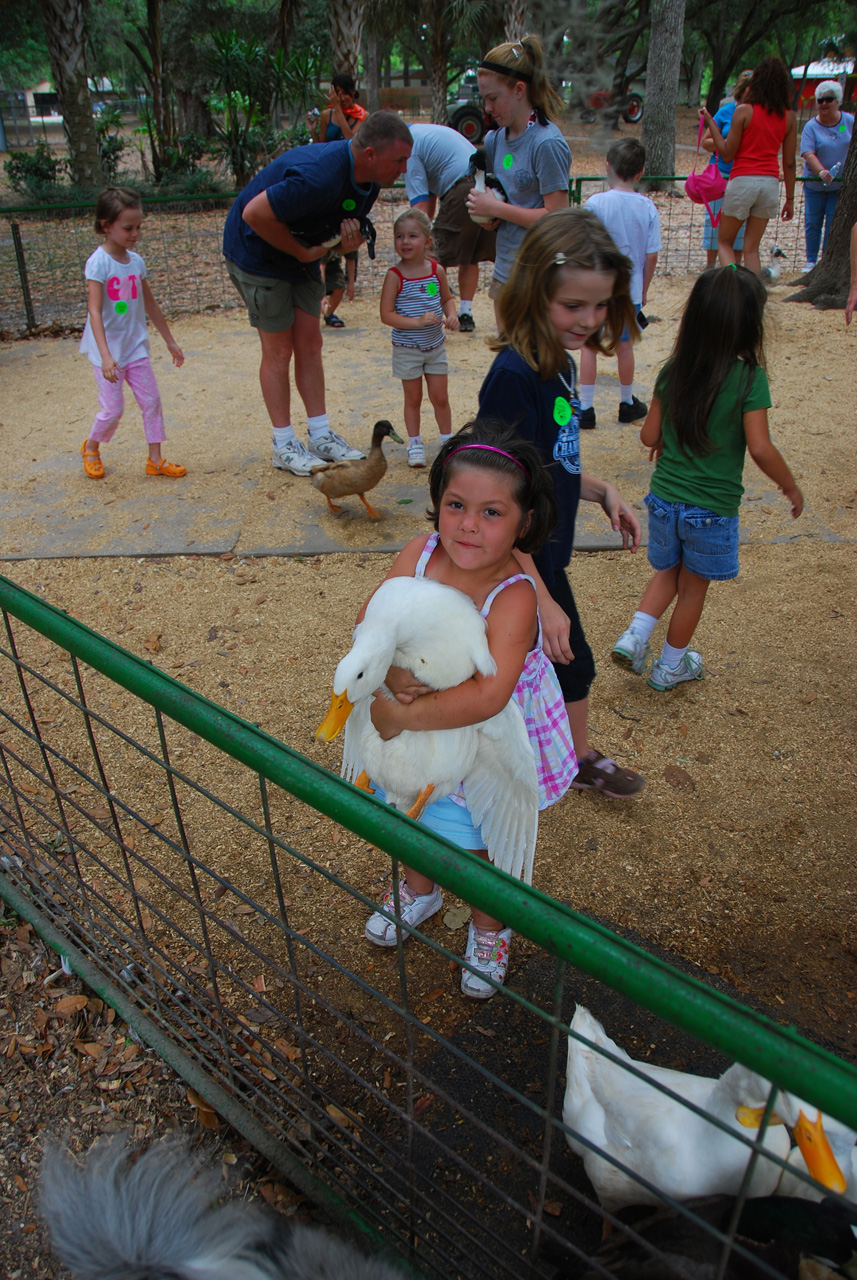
[{"x": 92, "y": 464}]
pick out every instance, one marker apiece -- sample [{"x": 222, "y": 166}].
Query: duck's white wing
[
  {"x": 355, "y": 730},
  {"x": 502, "y": 792}
]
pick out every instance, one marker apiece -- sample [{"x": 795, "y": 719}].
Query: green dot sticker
[
  {"x": 432, "y": 289},
  {"x": 561, "y": 412},
  {"x": 121, "y": 308},
  {"x": 349, "y": 204},
  {"x": 508, "y": 161}
]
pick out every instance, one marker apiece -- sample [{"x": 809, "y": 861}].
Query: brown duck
[{"x": 340, "y": 479}]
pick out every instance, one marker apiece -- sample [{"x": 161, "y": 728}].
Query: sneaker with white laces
[
  {"x": 296, "y": 457},
  {"x": 416, "y": 455},
  {"x": 632, "y": 652},
  {"x": 332, "y": 448},
  {"x": 415, "y": 909},
  {"x": 488, "y": 951},
  {"x": 690, "y": 668}
]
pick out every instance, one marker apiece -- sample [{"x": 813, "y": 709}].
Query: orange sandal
[
  {"x": 92, "y": 464},
  {"x": 164, "y": 468}
]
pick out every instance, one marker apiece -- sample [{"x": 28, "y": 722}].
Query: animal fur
[{"x": 124, "y": 1215}]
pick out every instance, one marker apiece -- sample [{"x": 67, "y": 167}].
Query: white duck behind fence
[{"x": 437, "y": 633}]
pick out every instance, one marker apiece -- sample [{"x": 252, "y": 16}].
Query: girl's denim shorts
[
  {"x": 704, "y": 542},
  {"x": 448, "y": 819}
]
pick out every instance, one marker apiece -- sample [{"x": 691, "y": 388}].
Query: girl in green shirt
[{"x": 710, "y": 406}]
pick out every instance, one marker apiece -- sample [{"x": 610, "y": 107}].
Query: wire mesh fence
[
  {"x": 198, "y": 875},
  {"x": 43, "y": 252}
]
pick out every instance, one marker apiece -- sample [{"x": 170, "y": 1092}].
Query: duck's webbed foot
[{"x": 420, "y": 803}]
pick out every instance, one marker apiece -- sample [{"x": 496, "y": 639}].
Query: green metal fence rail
[{"x": 360, "y": 1075}]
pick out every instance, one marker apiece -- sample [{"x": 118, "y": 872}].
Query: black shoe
[
  {"x": 587, "y": 419},
  {"x": 631, "y": 412},
  {"x": 466, "y": 323}
]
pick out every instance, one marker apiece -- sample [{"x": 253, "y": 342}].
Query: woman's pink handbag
[{"x": 708, "y": 186}]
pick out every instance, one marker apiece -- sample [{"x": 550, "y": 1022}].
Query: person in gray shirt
[
  {"x": 437, "y": 175},
  {"x": 527, "y": 151}
]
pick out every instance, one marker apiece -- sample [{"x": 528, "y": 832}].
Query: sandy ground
[{"x": 742, "y": 865}]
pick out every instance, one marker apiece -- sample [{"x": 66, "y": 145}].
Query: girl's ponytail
[{"x": 525, "y": 60}]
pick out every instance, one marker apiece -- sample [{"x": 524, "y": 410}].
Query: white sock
[
  {"x": 671, "y": 657},
  {"x": 284, "y": 436},
  {"x": 626, "y": 394},
  {"x": 465, "y": 307},
  {"x": 587, "y": 396},
  {"x": 444, "y": 438},
  {"x": 318, "y": 426},
  {"x": 643, "y": 624},
  {"x": 415, "y": 440}
]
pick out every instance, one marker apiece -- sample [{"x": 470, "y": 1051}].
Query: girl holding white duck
[{"x": 492, "y": 498}]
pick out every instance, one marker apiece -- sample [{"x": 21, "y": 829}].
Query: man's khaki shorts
[{"x": 271, "y": 303}]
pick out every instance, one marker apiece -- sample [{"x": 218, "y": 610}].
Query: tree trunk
[
  {"x": 827, "y": 285},
  {"x": 65, "y": 28},
  {"x": 371, "y": 85},
  {"x": 662, "y": 72},
  {"x": 194, "y": 115},
  {"x": 345, "y": 23},
  {"x": 515, "y": 19}
]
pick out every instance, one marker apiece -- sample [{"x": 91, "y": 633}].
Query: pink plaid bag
[{"x": 708, "y": 186}]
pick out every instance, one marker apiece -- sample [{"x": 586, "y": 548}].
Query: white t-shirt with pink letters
[{"x": 123, "y": 310}]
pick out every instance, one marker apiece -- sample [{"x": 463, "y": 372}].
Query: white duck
[
  {"x": 484, "y": 181},
  {"x": 841, "y": 1140},
  {"x": 769, "y": 275},
  {"x": 437, "y": 633},
  {"x": 659, "y": 1139}
]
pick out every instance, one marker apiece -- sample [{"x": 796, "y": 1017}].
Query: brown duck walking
[{"x": 340, "y": 479}]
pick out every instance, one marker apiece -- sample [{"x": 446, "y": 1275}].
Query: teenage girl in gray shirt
[{"x": 526, "y": 151}]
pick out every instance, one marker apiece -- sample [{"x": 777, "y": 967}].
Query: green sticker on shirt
[
  {"x": 349, "y": 204},
  {"x": 508, "y": 161},
  {"x": 432, "y": 289},
  {"x": 561, "y": 412},
  {"x": 121, "y": 308}
]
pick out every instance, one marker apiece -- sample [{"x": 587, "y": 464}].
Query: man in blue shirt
[{"x": 278, "y": 229}]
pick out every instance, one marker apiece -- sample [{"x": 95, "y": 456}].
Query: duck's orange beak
[
  {"x": 340, "y": 710},
  {"x": 814, "y": 1147}
]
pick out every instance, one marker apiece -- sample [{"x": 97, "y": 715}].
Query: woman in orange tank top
[{"x": 762, "y": 126}]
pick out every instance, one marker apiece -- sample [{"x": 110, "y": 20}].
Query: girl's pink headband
[{"x": 491, "y": 449}]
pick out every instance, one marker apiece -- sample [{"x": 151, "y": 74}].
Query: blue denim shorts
[
  {"x": 448, "y": 819},
  {"x": 705, "y": 543}
]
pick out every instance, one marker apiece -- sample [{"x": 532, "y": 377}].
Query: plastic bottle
[{"x": 834, "y": 170}]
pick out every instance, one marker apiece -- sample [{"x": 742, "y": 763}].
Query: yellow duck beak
[
  {"x": 340, "y": 710},
  {"x": 814, "y": 1147}
]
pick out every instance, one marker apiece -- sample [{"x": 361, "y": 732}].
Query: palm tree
[
  {"x": 65, "y": 28},
  {"x": 345, "y": 22}
]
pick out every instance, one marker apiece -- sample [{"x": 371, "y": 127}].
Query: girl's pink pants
[{"x": 111, "y": 400}]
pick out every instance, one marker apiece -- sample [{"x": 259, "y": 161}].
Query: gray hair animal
[{"x": 126, "y": 1215}]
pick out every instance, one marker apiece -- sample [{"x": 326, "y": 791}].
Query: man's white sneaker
[
  {"x": 632, "y": 652},
  {"x": 691, "y": 667},
  {"x": 332, "y": 448},
  {"x": 296, "y": 457},
  {"x": 415, "y": 909},
  {"x": 416, "y": 455},
  {"x": 488, "y": 951}
]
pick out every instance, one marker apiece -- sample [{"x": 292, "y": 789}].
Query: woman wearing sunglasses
[
  {"x": 823, "y": 146},
  {"x": 762, "y": 126}
]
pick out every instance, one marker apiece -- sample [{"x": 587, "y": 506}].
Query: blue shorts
[
  {"x": 704, "y": 542},
  {"x": 626, "y": 333},
  {"x": 709, "y": 232},
  {"x": 448, "y": 819}
]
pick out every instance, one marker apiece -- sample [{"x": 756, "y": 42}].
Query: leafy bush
[
  {"x": 31, "y": 172},
  {"x": 111, "y": 145}
]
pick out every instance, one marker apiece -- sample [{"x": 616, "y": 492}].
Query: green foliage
[
  {"x": 24, "y": 58},
  {"x": 35, "y": 173},
  {"x": 111, "y": 144}
]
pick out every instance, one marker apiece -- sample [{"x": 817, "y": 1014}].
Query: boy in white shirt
[{"x": 633, "y": 222}]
